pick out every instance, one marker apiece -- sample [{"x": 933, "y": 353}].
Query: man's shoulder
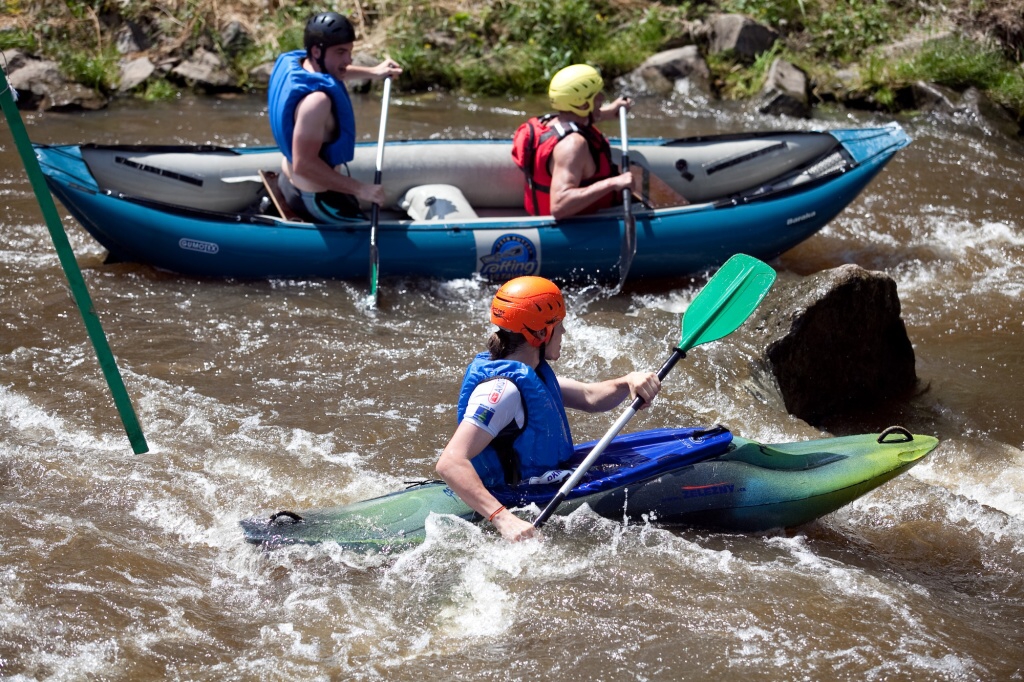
[{"x": 571, "y": 145}]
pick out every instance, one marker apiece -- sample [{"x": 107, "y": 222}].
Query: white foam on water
[
  {"x": 863, "y": 619},
  {"x": 950, "y": 666},
  {"x": 599, "y": 347},
  {"x": 837, "y": 577},
  {"x": 284, "y": 636},
  {"x": 74, "y": 662},
  {"x": 987, "y": 472},
  {"x": 984, "y": 258},
  {"x": 171, "y": 516}
]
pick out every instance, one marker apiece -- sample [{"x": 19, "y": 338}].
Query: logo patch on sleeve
[
  {"x": 496, "y": 391},
  {"x": 482, "y": 415}
]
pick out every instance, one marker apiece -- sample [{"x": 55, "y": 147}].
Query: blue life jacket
[
  {"x": 289, "y": 83},
  {"x": 544, "y": 442}
]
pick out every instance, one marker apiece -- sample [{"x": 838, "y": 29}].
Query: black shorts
[{"x": 320, "y": 207}]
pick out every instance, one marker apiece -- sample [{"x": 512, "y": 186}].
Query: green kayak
[{"x": 673, "y": 477}]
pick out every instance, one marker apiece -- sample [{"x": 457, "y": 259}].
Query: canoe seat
[
  {"x": 652, "y": 190},
  {"x": 274, "y": 192},
  {"x": 436, "y": 202}
]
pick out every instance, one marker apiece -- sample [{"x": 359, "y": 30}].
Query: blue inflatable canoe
[{"x": 454, "y": 208}]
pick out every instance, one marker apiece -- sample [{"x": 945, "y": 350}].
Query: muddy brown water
[{"x": 257, "y": 396}]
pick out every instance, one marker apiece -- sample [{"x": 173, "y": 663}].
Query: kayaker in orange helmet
[
  {"x": 512, "y": 421},
  {"x": 566, "y": 159}
]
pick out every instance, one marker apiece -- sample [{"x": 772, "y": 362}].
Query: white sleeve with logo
[{"x": 493, "y": 405}]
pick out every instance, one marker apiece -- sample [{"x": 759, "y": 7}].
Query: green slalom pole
[{"x": 67, "y": 260}]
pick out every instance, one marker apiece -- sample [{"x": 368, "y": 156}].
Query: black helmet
[{"x": 328, "y": 28}]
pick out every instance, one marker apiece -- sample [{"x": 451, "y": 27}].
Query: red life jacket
[{"x": 532, "y": 146}]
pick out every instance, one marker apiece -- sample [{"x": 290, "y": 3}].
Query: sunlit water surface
[{"x": 257, "y": 396}]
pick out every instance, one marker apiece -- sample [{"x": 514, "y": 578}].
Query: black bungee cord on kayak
[{"x": 907, "y": 436}]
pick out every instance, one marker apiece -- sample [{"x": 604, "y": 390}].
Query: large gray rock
[
  {"x": 130, "y": 38},
  {"x": 362, "y": 85},
  {"x": 259, "y": 75},
  {"x": 204, "y": 70},
  {"x": 970, "y": 108},
  {"x": 786, "y": 92},
  {"x": 40, "y": 86},
  {"x": 135, "y": 72},
  {"x": 236, "y": 37},
  {"x": 832, "y": 343},
  {"x": 675, "y": 70},
  {"x": 740, "y": 35}
]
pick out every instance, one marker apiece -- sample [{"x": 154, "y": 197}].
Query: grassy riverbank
[{"x": 853, "y": 50}]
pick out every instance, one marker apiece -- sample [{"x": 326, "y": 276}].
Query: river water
[{"x": 258, "y": 396}]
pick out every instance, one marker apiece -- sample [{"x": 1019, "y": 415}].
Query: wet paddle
[
  {"x": 375, "y": 211},
  {"x": 724, "y": 303},
  {"x": 628, "y": 248}
]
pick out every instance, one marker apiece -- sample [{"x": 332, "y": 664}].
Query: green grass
[
  {"x": 499, "y": 47},
  {"x": 960, "y": 63},
  {"x": 738, "y": 81},
  {"x": 98, "y": 71},
  {"x": 515, "y": 47},
  {"x": 15, "y": 39},
  {"x": 159, "y": 90}
]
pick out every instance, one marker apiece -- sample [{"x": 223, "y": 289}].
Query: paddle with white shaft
[
  {"x": 724, "y": 303},
  {"x": 628, "y": 248},
  {"x": 375, "y": 211}
]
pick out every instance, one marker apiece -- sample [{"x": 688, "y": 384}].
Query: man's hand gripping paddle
[{"x": 724, "y": 303}]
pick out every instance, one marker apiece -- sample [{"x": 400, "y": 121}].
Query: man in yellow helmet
[
  {"x": 567, "y": 161},
  {"x": 495, "y": 443}
]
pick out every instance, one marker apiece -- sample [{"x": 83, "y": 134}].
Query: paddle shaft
[
  {"x": 628, "y": 248},
  {"x": 570, "y": 483},
  {"x": 375, "y": 209}
]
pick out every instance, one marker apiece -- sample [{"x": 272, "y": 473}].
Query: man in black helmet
[{"x": 313, "y": 123}]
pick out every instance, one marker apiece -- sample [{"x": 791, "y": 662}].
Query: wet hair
[{"x": 504, "y": 343}]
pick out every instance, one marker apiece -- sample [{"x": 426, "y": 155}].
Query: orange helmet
[{"x": 529, "y": 306}]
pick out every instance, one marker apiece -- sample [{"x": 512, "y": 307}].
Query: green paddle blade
[
  {"x": 726, "y": 301},
  {"x": 374, "y": 271}
]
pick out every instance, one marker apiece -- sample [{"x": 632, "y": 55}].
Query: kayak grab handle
[
  {"x": 295, "y": 518},
  {"x": 899, "y": 430}
]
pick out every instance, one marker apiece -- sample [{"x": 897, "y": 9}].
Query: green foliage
[
  {"x": 782, "y": 14},
  {"x": 291, "y": 38},
  {"x": 635, "y": 40},
  {"x": 159, "y": 90},
  {"x": 846, "y": 29},
  {"x": 959, "y": 63},
  {"x": 15, "y": 39},
  {"x": 954, "y": 62},
  {"x": 839, "y": 30},
  {"x": 516, "y": 46},
  {"x": 737, "y": 81},
  {"x": 98, "y": 71}
]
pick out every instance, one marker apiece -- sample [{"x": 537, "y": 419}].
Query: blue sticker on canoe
[{"x": 511, "y": 255}]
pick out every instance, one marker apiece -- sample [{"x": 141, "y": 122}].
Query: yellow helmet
[{"x": 574, "y": 88}]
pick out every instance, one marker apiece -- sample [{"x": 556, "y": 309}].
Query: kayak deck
[{"x": 694, "y": 477}]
